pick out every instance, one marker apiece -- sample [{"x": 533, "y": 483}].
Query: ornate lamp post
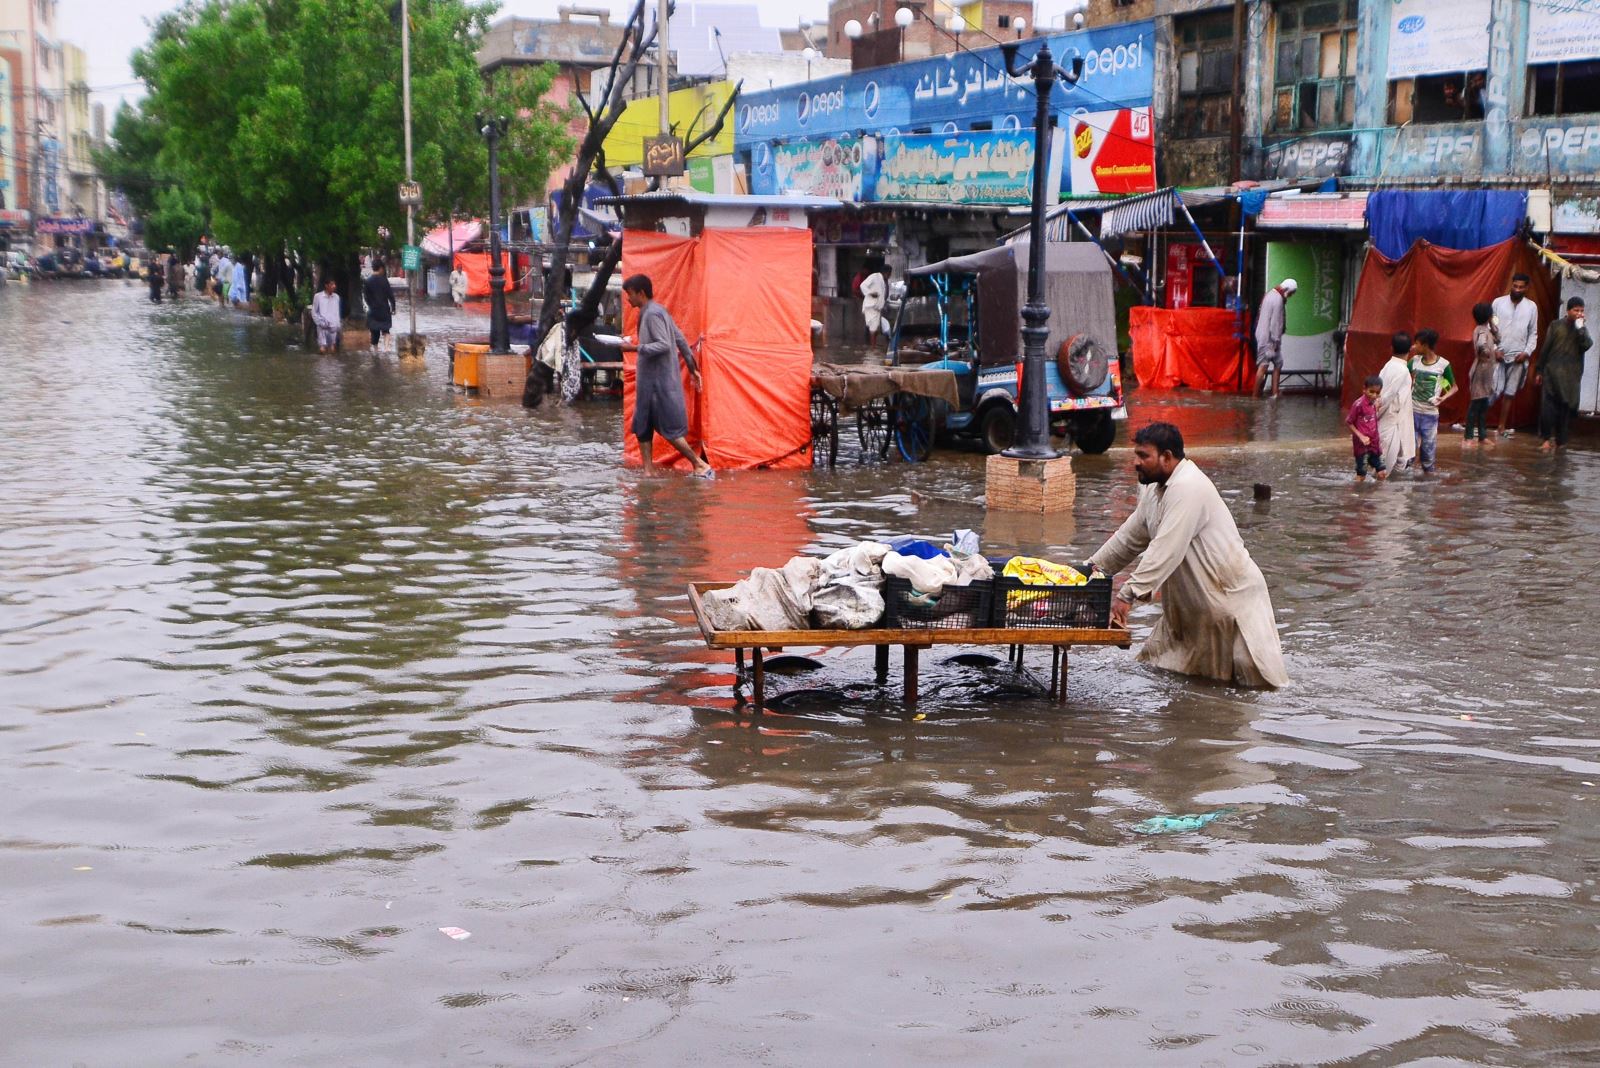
[
  {"x": 493, "y": 127},
  {"x": 1033, "y": 437}
]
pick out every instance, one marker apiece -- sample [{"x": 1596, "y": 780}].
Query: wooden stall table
[{"x": 758, "y": 642}]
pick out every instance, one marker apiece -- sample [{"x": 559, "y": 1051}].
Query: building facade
[{"x": 883, "y": 40}]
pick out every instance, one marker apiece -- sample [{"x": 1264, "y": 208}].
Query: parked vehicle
[
  {"x": 16, "y": 264},
  {"x": 963, "y": 314}
]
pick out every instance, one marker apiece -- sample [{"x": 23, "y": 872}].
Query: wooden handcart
[
  {"x": 896, "y": 409},
  {"x": 758, "y": 642}
]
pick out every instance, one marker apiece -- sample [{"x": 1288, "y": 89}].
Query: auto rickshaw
[{"x": 964, "y": 314}]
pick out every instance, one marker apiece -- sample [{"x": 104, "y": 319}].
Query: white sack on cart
[
  {"x": 770, "y": 599},
  {"x": 848, "y": 593}
]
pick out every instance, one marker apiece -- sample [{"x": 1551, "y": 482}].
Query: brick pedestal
[{"x": 1037, "y": 487}]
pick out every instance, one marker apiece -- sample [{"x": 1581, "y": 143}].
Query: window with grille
[
  {"x": 1434, "y": 98},
  {"x": 1314, "y": 76},
  {"x": 1205, "y": 74},
  {"x": 1564, "y": 88}
]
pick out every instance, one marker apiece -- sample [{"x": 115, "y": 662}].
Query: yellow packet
[{"x": 1031, "y": 571}]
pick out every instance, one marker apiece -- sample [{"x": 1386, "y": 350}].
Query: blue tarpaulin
[{"x": 1458, "y": 219}]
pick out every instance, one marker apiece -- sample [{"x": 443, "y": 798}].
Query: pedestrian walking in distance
[
  {"x": 1269, "y": 334},
  {"x": 379, "y": 295},
  {"x": 1517, "y": 319},
  {"x": 154, "y": 278},
  {"x": 874, "y": 301},
  {"x": 1480, "y": 380},
  {"x": 658, "y": 406},
  {"x": 325, "y": 313},
  {"x": 1559, "y": 370}
]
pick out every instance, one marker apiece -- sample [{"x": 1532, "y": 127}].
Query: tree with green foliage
[
  {"x": 173, "y": 214},
  {"x": 286, "y": 115}
]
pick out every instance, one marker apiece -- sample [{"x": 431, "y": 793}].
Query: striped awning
[{"x": 1148, "y": 211}]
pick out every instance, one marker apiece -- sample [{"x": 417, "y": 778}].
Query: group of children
[{"x": 1395, "y": 421}]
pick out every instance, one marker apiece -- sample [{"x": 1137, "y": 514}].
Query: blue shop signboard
[
  {"x": 969, "y": 168},
  {"x": 944, "y": 94}
]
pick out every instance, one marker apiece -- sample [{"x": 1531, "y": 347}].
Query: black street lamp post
[
  {"x": 493, "y": 127},
  {"x": 1033, "y": 437}
]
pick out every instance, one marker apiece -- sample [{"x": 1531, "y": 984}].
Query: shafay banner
[
  {"x": 1112, "y": 152},
  {"x": 1313, "y": 313},
  {"x": 833, "y": 167},
  {"x": 968, "y": 168},
  {"x": 1428, "y": 37},
  {"x": 1561, "y": 30},
  {"x": 8, "y": 140}
]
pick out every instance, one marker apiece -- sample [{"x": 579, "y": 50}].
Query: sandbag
[
  {"x": 848, "y": 592},
  {"x": 770, "y": 599}
]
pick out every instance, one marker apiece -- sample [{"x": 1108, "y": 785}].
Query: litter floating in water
[
  {"x": 1178, "y": 824},
  {"x": 455, "y": 932}
]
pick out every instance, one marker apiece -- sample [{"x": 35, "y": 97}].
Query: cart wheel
[
  {"x": 824, "y": 428},
  {"x": 913, "y": 427},
  {"x": 872, "y": 427}
]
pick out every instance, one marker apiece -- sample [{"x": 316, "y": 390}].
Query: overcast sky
[{"x": 109, "y": 30}]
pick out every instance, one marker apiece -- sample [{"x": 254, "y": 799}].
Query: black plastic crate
[
  {"x": 1019, "y": 605},
  {"x": 957, "y": 608}
]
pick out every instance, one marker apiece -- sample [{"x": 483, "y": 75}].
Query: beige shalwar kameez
[
  {"x": 1397, "y": 429},
  {"x": 1216, "y": 618}
]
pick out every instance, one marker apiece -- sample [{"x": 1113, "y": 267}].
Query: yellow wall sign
[{"x": 691, "y": 112}]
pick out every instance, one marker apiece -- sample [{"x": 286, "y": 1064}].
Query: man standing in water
[
  {"x": 658, "y": 406},
  {"x": 1518, "y": 320},
  {"x": 874, "y": 301},
  {"x": 1269, "y": 333},
  {"x": 1560, "y": 369},
  {"x": 379, "y": 295},
  {"x": 1216, "y": 615}
]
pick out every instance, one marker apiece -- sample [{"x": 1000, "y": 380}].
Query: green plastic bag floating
[{"x": 1178, "y": 824}]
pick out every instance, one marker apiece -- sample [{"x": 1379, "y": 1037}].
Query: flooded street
[{"x": 304, "y": 659}]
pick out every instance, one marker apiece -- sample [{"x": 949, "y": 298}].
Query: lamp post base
[
  {"x": 411, "y": 346},
  {"x": 1035, "y": 487}
]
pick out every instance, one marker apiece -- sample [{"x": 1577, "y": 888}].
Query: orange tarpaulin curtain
[
  {"x": 673, "y": 266},
  {"x": 1191, "y": 347},
  {"x": 748, "y": 293},
  {"x": 1436, "y": 287},
  {"x": 758, "y": 347},
  {"x": 476, "y": 266}
]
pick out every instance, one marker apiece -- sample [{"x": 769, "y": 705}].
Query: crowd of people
[{"x": 1394, "y": 424}]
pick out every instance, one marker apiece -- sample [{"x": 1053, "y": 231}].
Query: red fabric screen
[
  {"x": 748, "y": 294},
  {"x": 758, "y": 347},
  {"x": 476, "y": 265},
  {"x": 1193, "y": 347},
  {"x": 1436, "y": 287}
]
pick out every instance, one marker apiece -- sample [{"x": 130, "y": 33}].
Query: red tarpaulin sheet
[
  {"x": 1436, "y": 287},
  {"x": 447, "y": 239},
  {"x": 748, "y": 293},
  {"x": 1191, "y": 347},
  {"x": 476, "y": 265}
]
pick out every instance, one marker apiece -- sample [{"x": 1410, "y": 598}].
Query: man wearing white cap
[{"x": 1269, "y": 333}]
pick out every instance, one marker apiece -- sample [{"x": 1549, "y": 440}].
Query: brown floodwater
[{"x": 303, "y": 659}]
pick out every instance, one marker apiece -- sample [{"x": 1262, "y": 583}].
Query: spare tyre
[{"x": 1083, "y": 364}]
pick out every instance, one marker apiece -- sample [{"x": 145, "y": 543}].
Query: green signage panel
[{"x": 411, "y": 258}]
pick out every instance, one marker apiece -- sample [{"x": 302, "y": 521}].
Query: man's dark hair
[
  {"x": 1163, "y": 437},
  {"x": 377, "y": 264},
  {"x": 1427, "y": 337},
  {"x": 1482, "y": 313},
  {"x": 639, "y": 283},
  {"x": 1400, "y": 343},
  {"x": 1372, "y": 382},
  {"x": 1574, "y": 302},
  {"x": 1520, "y": 277}
]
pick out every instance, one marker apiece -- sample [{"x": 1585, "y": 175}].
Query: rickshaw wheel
[
  {"x": 913, "y": 427},
  {"x": 998, "y": 428},
  {"x": 1094, "y": 433},
  {"x": 824, "y": 427},
  {"x": 872, "y": 427}
]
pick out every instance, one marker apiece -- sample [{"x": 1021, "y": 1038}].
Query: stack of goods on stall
[{"x": 910, "y": 583}]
